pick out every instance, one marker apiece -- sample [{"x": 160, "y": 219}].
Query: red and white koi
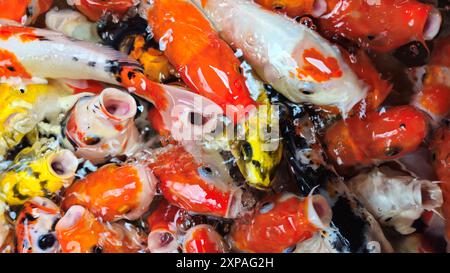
[{"x": 294, "y": 59}]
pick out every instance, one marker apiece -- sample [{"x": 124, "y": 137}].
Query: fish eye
[
  {"x": 246, "y": 151},
  {"x": 166, "y": 238},
  {"x": 46, "y": 241},
  {"x": 91, "y": 140},
  {"x": 58, "y": 168},
  {"x": 206, "y": 171},
  {"x": 97, "y": 249},
  {"x": 278, "y": 6},
  {"x": 266, "y": 207}
]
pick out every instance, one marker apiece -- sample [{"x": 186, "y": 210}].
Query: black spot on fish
[
  {"x": 131, "y": 75},
  {"x": 11, "y": 68},
  {"x": 17, "y": 193},
  {"x": 256, "y": 164},
  {"x": 306, "y": 92},
  {"x": 75, "y": 59},
  {"x": 92, "y": 64},
  {"x": 22, "y": 90}
]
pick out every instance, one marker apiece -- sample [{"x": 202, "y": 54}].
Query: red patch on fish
[
  {"x": 318, "y": 67},
  {"x": 10, "y": 66}
]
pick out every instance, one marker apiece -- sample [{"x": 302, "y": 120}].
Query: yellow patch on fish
[{"x": 17, "y": 113}]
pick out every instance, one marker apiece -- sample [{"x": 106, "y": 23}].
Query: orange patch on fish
[
  {"x": 10, "y": 66},
  {"x": 318, "y": 67},
  {"x": 25, "y": 34}
]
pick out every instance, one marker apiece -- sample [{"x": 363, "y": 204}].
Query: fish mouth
[
  {"x": 72, "y": 217},
  {"x": 118, "y": 105},
  {"x": 319, "y": 212},
  {"x": 428, "y": 195},
  {"x": 162, "y": 241},
  {"x": 63, "y": 164},
  {"x": 319, "y": 8},
  {"x": 432, "y": 24}
]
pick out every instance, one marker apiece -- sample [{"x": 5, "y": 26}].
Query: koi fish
[
  {"x": 196, "y": 181},
  {"x": 382, "y": 135},
  {"x": 280, "y": 222},
  {"x": 24, "y": 12},
  {"x": 94, "y": 9},
  {"x": 35, "y": 226},
  {"x": 102, "y": 127},
  {"x": 296, "y": 8},
  {"x": 80, "y": 232},
  {"x": 204, "y": 239},
  {"x": 308, "y": 167},
  {"x": 394, "y": 199},
  {"x": 72, "y": 24},
  {"x": 162, "y": 222},
  {"x": 113, "y": 192},
  {"x": 440, "y": 148},
  {"x": 432, "y": 84},
  {"x": 37, "y": 171},
  {"x": 382, "y": 26},
  {"x": 294, "y": 59},
  {"x": 209, "y": 67}
]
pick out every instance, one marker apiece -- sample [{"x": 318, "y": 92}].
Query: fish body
[
  {"x": 440, "y": 148},
  {"x": 294, "y": 59},
  {"x": 394, "y": 199},
  {"x": 24, "y": 11},
  {"x": 113, "y": 192},
  {"x": 280, "y": 222},
  {"x": 204, "y": 239},
  {"x": 205, "y": 62},
  {"x": 294, "y": 8},
  {"x": 35, "y": 226},
  {"x": 380, "y": 25},
  {"x": 432, "y": 84},
  {"x": 162, "y": 222},
  {"x": 95, "y": 9},
  {"x": 80, "y": 232},
  {"x": 196, "y": 181},
  {"x": 72, "y": 23},
  {"x": 22, "y": 109},
  {"x": 382, "y": 135}
]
